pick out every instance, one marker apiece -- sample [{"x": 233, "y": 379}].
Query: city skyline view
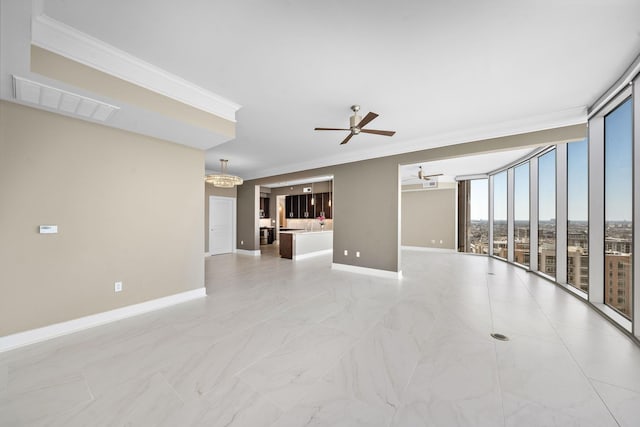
[{"x": 618, "y": 225}]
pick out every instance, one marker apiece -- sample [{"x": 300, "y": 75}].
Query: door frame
[{"x": 233, "y": 220}]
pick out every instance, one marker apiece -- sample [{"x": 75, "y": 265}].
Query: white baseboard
[
  {"x": 427, "y": 249},
  {"x": 312, "y": 254},
  {"x": 33, "y": 336},
  {"x": 369, "y": 271},
  {"x": 248, "y": 252}
]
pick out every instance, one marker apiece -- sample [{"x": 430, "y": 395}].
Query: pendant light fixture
[
  {"x": 222, "y": 179},
  {"x": 313, "y": 200}
]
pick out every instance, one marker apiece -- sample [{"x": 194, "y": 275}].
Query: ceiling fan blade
[
  {"x": 432, "y": 175},
  {"x": 346, "y": 139},
  {"x": 370, "y": 116},
  {"x": 330, "y": 129},
  {"x": 379, "y": 132}
]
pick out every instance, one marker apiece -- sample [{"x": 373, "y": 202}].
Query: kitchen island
[{"x": 299, "y": 244}]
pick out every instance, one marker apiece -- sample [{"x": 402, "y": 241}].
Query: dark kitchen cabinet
[
  {"x": 323, "y": 205},
  {"x": 264, "y": 207},
  {"x": 292, "y": 203},
  {"x": 286, "y": 245},
  {"x": 306, "y": 208},
  {"x": 299, "y": 206}
]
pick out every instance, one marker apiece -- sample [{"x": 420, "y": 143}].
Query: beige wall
[
  {"x": 210, "y": 190},
  {"x": 248, "y": 220},
  {"x": 367, "y": 197},
  {"x": 129, "y": 208},
  {"x": 428, "y": 218}
]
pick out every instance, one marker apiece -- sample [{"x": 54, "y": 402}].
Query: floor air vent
[{"x": 500, "y": 337}]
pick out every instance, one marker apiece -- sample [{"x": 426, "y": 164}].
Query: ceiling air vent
[{"x": 60, "y": 100}]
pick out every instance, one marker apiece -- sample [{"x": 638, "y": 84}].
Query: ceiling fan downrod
[{"x": 355, "y": 120}]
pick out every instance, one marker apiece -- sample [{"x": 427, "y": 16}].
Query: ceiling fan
[
  {"x": 356, "y": 123},
  {"x": 421, "y": 174}
]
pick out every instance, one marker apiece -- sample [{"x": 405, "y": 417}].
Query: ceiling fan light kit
[
  {"x": 356, "y": 124},
  {"x": 222, "y": 179}
]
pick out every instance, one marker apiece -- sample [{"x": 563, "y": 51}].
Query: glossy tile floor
[{"x": 282, "y": 343}]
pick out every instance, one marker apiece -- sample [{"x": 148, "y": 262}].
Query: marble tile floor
[{"x": 293, "y": 343}]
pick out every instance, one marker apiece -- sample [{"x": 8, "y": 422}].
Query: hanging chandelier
[{"x": 222, "y": 179}]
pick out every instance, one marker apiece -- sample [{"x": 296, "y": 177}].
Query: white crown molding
[
  {"x": 368, "y": 271},
  {"x": 428, "y": 249},
  {"x": 33, "y": 336},
  {"x": 64, "y": 40},
  {"x": 573, "y": 116}
]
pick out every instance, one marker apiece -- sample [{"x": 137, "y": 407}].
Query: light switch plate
[{"x": 48, "y": 229}]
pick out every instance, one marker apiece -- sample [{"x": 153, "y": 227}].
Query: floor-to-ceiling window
[
  {"x": 500, "y": 214},
  {"x": 547, "y": 213},
  {"x": 478, "y": 229},
  {"x": 578, "y": 215},
  {"x": 618, "y": 201},
  {"x": 521, "y": 226}
]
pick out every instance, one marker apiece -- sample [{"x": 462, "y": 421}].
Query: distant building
[
  {"x": 617, "y": 244},
  {"x": 618, "y": 266},
  {"x": 547, "y": 259},
  {"x": 618, "y": 278},
  {"x": 578, "y": 267}
]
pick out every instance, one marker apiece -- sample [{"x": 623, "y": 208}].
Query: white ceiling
[{"x": 438, "y": 72}]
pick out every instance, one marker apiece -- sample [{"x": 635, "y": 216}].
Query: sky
[
  {"x": 618, "y": 161},
  {"x": 618, "y": 179},
  {"x": 577, "y": 181},
  {"x": 500, "y": 196},
  {"x": 521, "y": 192},
  {"x": 480, "y": 199},
  {"x": 547, "y": 186}
]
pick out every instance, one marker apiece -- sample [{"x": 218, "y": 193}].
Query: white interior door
[{"x": 222, "y": 214}]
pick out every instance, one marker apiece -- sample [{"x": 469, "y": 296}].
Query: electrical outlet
[
  {"x": 346, "y": 252},
  {"x": 117, "y": 287},
  {"x": 357, "y": 254},
  {"x": 440, "y": 241},
  {"x": 242, "y": 242}
]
